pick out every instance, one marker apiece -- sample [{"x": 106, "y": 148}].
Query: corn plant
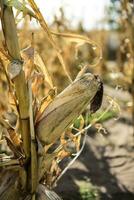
[{"x": 43, "y": 133}]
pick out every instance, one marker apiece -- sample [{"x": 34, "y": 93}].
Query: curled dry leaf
[
  {"x": 30, "y": 55},
  {"x": 80, "y": 40},
  {"x": 66, "y": 107}
]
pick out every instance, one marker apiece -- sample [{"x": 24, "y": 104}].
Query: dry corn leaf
[
  {"x": 28, "y": 57},
  {"x": 55, "y": 171},
  {"x": 37, "y": 81},
  {"x": 3, "y": 103},
  {"x": 81, "y": 40},
  {"x": 44, "y": 103},
  {"x": 63, "y": 154},
  {"x": 62, "y": 139},
  {"x": 44, "y": 164},
  {"x": 4, "y": 55},
  {"x": 1, "y": 141},
  {"x": 77, "y": 142},
  {"x": 28, "y": 53},
  {"x": 54, "y": 166},
  {"x": 7, "y": 161},
  {"x": 16, "y": 150},
  {"x": 44, "y": 25},
  {"x": 12, "y": 102},
  {"x": 15, "y": 138},
  {"x": 43, "y": 106},
  {"x": 38, "y": 61}
]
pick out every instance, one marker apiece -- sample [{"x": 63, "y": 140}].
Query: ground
[{"x": 106, "y": 165}]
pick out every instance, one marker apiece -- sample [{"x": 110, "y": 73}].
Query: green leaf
[{"x": 19, "y": 6}]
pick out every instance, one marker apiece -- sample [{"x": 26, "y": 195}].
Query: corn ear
[{"x": 66, "y": 107}]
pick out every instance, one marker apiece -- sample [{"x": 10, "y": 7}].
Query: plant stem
[
  {"x": 34, "y": 167},
  {"x": 17, "y": 74}
]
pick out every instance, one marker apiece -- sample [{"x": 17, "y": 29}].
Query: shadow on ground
[{"x": 107, "y": 162}]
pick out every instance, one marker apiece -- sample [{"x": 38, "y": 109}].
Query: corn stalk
[
  {"x": 15, "y": 70},
  {"x": 24, "y": 175}
]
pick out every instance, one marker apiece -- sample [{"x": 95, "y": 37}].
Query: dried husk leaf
[
  {"x": 43, "y": 106},
  {"x": 65, "y": 108}
]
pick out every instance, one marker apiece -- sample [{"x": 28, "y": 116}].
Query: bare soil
[{"x": 107, "y": 161}]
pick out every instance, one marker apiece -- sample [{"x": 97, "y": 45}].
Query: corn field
[{"x": 57, "y": 87}]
